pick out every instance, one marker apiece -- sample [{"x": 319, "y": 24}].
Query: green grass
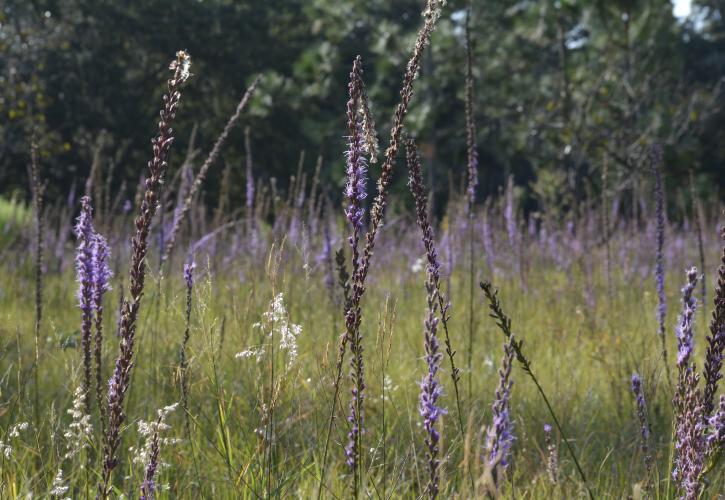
[
  {"x": 583, "y": 355},
  {"x": 14, "y": 215}
]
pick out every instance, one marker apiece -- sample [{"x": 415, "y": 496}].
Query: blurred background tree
[{"x": 562, "y": 88}]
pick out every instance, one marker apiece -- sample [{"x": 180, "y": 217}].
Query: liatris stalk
[
  {"x": 183, "y": 363},
  {"x": 689, "y": 438},
  {"x": 472, "y": 150},
  {"x": 119, "y": 382},
  {"x": 355, "y": 192},
  {"x": 149, "y": 454},
  {"x": 716, "y": 431},
  {"x": 472, "y": 169},
  {"x": 84, "y": 269},
  {"x": 689, "y": 414},
  {"x": 38, "y": 188},
  {"x": 101, "y": 284},
  {"x": 657, "y": 166},
  {"x": 249, "y": 178},
  {"x": 685, "y": 332},
  {"x": 418, "y": 190},
  {"x": 716, "y": 339},
  {"x": 201, "y": 175},
  {"x": 643, "y": 422},
  {"x": 420, "y": 196},
  {"x": 552, "y": 459},
  {"x": 504, "y": 324},
  {"x": 148, "y": 487},
  {"x": 500, "y": 436},
  {"x": 430, "y": 388},
  {"x": 430, "y": 15}
]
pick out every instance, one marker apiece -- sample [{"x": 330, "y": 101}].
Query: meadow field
[{"x": 356, "y": 340}]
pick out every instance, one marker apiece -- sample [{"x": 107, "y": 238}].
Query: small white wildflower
[
  {"x": 142, "y": 455},
  {"x": 417, "y": 265},
  {"x": 276, "y": 322},
  {"x": 253, "y": 352},
  {"x": 80, "y": 429},
  {"x": 58, "y": 487},
  {"x": 16, "y": 429},
  {"x": 6, "y": 450}
]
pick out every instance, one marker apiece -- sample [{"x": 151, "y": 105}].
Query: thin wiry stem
[
  {"x": 504, "y": 324},
  {"x": 418, "y": 191},
  {"x": 716, "y": 338},
  {"x": 119, "y": 382},
  {"x": 38, "y": 190},
  {"x": 657, "y": 164},
  {"x": 472, "y": 168},
  {"x": 431, "y": 15},
  {"x": 201, "y": 175}
]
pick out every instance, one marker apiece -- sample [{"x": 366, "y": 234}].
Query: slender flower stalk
[
  {"x": 119, "y": 382},
  {"x": 504, "y": 324},
  {"x": 552, "y": 460},
  {"x": 643, "y": 423},
  {"x": 249, "y": 199},
  {"x": 84, "y": 269},
  {"x": 148, "y": 487},
  {"x": 472, "y": 169},
  {"x": 352, "y": 313},
  {"x": 101, "y": 284},
  {"x": 500, "y": 436},
  {"x": 657, "y": 167},
  {"x": 183, "y": 363},
  {"x": 685, "y": 333},
  {"x": 689, "y": 410},
  {"x": 716, "y": 436},
  {"x": 472, "y": 150},
  {"x": 716, "y": 338},
  {"x": 38, "y": 190},
  {"x": 355, "y": 192},
  {"x": 149, "y": 454},
  {"x": 201, "y": 175},
  {"x": 417, "y": 189},
  {"x": 430, "y": 388}
]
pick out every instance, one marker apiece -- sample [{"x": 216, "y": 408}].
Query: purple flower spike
[
  {"x": 85, "y": 272},
  {"x": 690, "y": 421},
  {"x": 500, "y": 434},
  {"x": 716, "y": 437},
  {"x": 356, "y": 177},
  {"x": 430, "y": 388},
  {"x": 552, "y": 463},
  {"x": 189, "y": 269},
  {"x": 643, "y": 423},
  {"x": 684, "y": 329},
  {"x": 102, "y": 273}
]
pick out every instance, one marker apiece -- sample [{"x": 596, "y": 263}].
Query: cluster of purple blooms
[
  {"x": 94, "y": 274},
  {"x": 500, "y": 437}
]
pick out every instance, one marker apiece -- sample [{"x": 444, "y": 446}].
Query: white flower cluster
[
  {"x": 142, "y": 455},
  {"x": 80, "y": 429},
  {"x": 276, "y": 322},
  {"x": 5, "y": 448},
  {"x": 58, "y": 488}
]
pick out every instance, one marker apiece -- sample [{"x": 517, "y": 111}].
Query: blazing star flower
[
  {"x": 86, "y": 280},
  {"x": 716, "y": 437},
  {"x": 430, "y": 387},
  {"x": 685, "y": 328},
  {"x": 642, "y": 416},
  {"x": 500, "y": 436}
]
